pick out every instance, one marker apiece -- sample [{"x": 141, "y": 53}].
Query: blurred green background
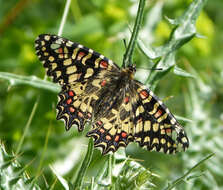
[{"x": 102, "y": 25}]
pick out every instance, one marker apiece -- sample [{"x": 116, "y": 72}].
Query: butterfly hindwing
[
  {"x": 73, "y": 106},
  {"x": 115, "y": 128}
]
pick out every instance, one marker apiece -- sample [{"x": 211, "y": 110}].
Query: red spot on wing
[
  {"x": 158, "y": 113},
  {"x": 144, "y": 94},
  {"x": 80, "y": 55},
  {"x": 104, "y": 64},
  {"x": 89, "y": 115},
  {"x": 168, "y": 130},
  {"x": 108, "y": 137},
  {"x": 60, "y": 50},
  {"x": 69, "y": 101},
  {"x": 116, "y": 138},
  {"x": 103, "y": 83},
  {"x": 124, "y": 134},
  {"x": 102, "y": 130},
  {"x": 126, "y": 99},
  {"x": 99, "y": 123},
  {"x": 72, "y": 110},
  {"x": 80, "y": 114},
  {"x": 71, "y": 93}
]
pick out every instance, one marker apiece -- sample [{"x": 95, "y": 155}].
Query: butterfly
[{"x": 119, "y": 108}]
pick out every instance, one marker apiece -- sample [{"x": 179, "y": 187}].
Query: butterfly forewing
[
  {"x": 96, "y": 90},
  {"x": 68, "y": 62},
  {"x": 155, "y": 127}
]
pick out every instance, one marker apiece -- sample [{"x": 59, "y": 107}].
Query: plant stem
[
  {"x": 85, "y": 164},
  {"x": 13, "y": 14},
  {"x": 27, "y": 125},
  {"x": 127, "y": 60},
  {"x": 44, "y": 150},
  {"x": 177, "y": 181},
  {"x": 65, "y": 13},
  {"x": 100, "y": 175}
]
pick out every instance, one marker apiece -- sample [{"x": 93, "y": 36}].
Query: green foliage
[
  {"x": 186, "y": 176},
  {"x": 15, "y": 80},
  {"x": 12, "y": 175},
  {"x": 84, "y": 166},
  {"x": 183, "y": 32},
  {"x": 187, "y": 48}
]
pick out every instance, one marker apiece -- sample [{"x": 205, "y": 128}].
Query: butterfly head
[
  {"x": 130, "y": 71},
  {"x": 132, "y": 68}
]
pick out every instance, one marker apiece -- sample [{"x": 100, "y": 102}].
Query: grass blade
[
  {"x": 179, "y": 180},
  {"x": 85, "y": 164}
]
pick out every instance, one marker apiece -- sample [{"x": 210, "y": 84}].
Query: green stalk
[
  {"x": 44, "y": 150},
  {"x": 127, "y": 60},
  {"x": 179, "y": 180},
  {"x": 100, "y": 175},
  {"x": 27, "y": 125},
  {"x": 65, "y": 13},
  {"x": 85, "y": 164}
]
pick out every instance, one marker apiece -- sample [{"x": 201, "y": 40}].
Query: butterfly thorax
[
  {"x": 129, "y": 72},
  {"x": 112, "y": 95}
]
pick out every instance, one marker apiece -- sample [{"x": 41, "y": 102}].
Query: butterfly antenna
[
  {"x": 152, "y": 69},
  {"x": 158, "y": 69}
]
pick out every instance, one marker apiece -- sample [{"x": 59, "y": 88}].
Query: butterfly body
[{"x": 120, "y": 108}]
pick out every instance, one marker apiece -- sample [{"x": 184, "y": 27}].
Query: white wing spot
[
  {"x": 102, "y": 56},
  {"x": 173, "y": 121},
  {"x": 47, "y": 37},
  {"x": 167, "y": 111},
  {"x": 80, "y": 46},
  {"x": 69, "y": 44},
  {"x": 59, "y": 41},
  {"x": 110, "y": 62},
  {"x": 160, "y": 102},
  {"x": 91, "y": 50},
  {"x": 151, "y": 93}
]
